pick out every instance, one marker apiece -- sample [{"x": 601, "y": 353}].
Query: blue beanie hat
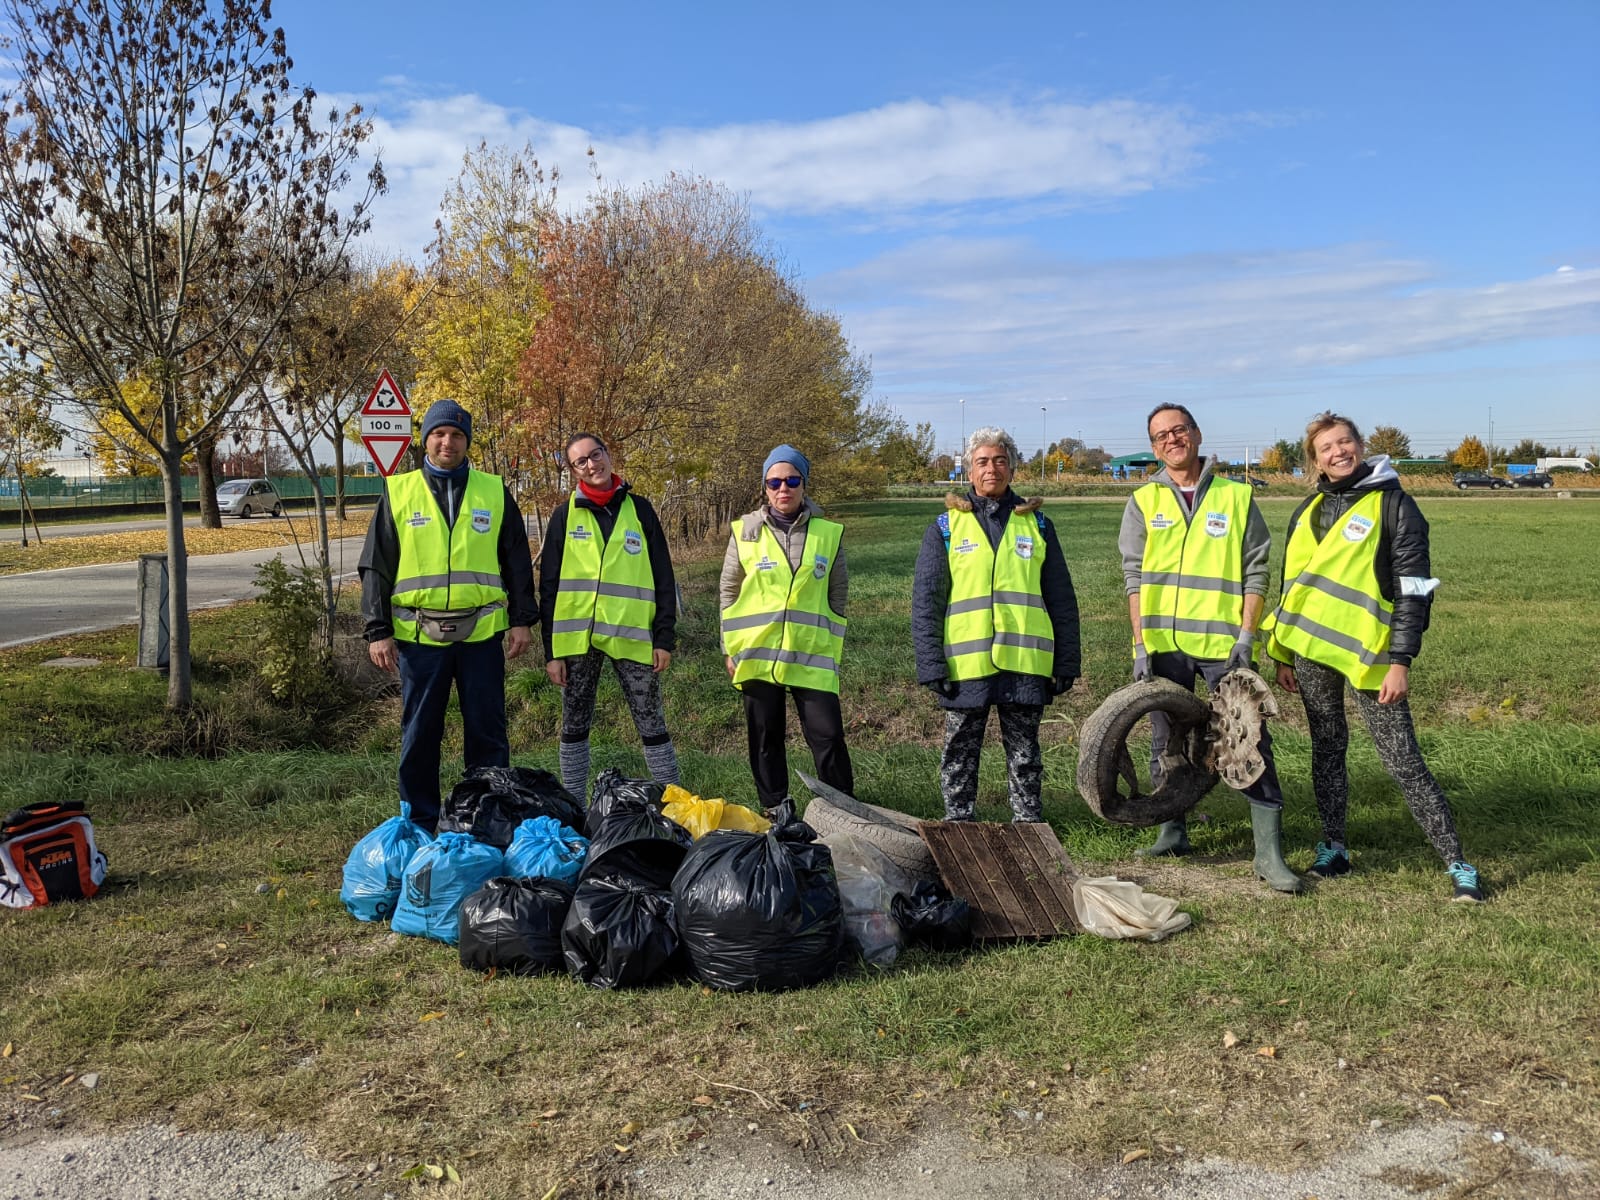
[
  {"x": 447, "y": 412},
  {"x": 787, "y": 453}
]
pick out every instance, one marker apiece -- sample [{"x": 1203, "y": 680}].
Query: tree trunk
[
  {"x": 179, "y": 685},
  {"x": 338, "y": 475},
  {"x": 205, "y": 455}
]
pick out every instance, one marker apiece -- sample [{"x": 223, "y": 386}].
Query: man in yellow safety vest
[
  {"x": 447, "y": 597},
  {"x": 994, "y": 622},
  {"x": 1195, "y": 556}
]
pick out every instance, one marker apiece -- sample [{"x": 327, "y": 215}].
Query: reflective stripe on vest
[
  {"x": 1332, "y": 611},
  {"x": 995, "y": 619},
  {"x": 1191, "y": 582},
  {"x": 446, "y": 569},
  {"x": 607, "y": 595},
  {"x": 780, "y": 629}
]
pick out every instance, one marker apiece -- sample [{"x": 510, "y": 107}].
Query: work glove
[
  {"x": 947, "y": 688},
  {"x": 1244, "y": 652},
  {"x": 1141, "y": 663},
  {"x": 1062, "y": 683}
]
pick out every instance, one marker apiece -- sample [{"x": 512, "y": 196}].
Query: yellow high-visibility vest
[
  {"x": 1191, "y": 582},
  {"x": 445, "y": 569},
  {"x": 781, "y": 628},
  {"x": 1332, "y": 611},
  {"x": 995, "y": 619},
  {"x": 607, "y": 594}
]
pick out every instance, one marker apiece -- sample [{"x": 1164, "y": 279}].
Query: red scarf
[{"x": 596, "y": 496}]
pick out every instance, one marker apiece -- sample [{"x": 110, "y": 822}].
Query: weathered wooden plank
[{"x": 1017, "y": 878}]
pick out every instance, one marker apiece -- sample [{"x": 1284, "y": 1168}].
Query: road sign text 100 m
[{"x": 382, "y": 425}]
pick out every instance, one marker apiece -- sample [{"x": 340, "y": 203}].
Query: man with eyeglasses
[
  {"x": 994, "y": 622},
  {"x": 446, "y": 579},
  {"x": 1195, "y": 561},
  {"x": 608, "y": 594}
]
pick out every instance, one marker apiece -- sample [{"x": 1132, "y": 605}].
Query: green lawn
[{"x": 219, "y": 982}]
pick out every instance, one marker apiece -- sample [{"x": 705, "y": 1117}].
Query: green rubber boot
[
  {"x": 1172, "y": 841},
  {"x": 1267, "y": 823}
]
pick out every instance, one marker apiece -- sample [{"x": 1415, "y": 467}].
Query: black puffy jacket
[{"x": 1402, "y": 547}]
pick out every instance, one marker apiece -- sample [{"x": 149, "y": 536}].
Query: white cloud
[
  {"x": 907, "y": 157},
  {"x": 1002, "y": 321}
]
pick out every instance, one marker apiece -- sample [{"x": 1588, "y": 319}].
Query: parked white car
[{"x": 247, "y": 497}]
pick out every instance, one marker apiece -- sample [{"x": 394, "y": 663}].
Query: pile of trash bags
[{"x": 650, "y": 884}]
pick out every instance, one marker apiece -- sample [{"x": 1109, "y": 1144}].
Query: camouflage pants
[{"x": 963, "y": 740}]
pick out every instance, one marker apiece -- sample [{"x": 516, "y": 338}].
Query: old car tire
[
  {"x": 895, "y": 833},
  {"x": 1103, "y": 758}
]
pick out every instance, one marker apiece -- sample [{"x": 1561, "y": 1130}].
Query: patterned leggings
[
  {"x": 963, "y": 740},
  {"x": 1322, "y": 690},
  {"x": 641, "y": 688}
]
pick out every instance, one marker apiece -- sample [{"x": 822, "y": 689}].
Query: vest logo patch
[
  {"x": 765, "y": 564},
  {"x": 1357, "y": 528},
  {"x": 1024, "y": 546},
  {"x": 1161, "y": 521},
  {"x": 580, "y": 534},
  {"x": 820, "y": 567},
  {"x": 418, "y": 519},
  {"x": 1216, "y": 524},
  {"x": 632, "y": 542},
  {"x": 967, "y": 546},
  {"x": 481, "y": 520}
]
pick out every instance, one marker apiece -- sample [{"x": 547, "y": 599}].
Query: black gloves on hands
[
  {"x": 1062, "y": 683},
  {"x": 947, "y": 688}
]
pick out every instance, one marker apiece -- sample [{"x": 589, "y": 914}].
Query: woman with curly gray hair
[{"x": 994, "y": 620}]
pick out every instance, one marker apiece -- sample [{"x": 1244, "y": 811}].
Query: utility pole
[
  {"x": 1043, "y": 442},
  {"x": 961, "y": 451}
]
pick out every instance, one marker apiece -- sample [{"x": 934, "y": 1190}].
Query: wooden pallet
[{"x": 1016, "y": 877}]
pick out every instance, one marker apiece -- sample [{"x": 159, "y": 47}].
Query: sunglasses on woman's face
[{"x": 789, "y": 481}]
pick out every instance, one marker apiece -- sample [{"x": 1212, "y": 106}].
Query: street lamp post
[
  {"x": 1043, "y": 442},
  {"x": 961, "y": 450}
]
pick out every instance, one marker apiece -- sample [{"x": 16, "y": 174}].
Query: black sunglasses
[{"x": 778, "y": 481}]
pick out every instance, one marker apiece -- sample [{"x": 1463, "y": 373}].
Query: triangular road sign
[
  {"x": 387, "y": 450},
  {"x": 386, "y": 399}
]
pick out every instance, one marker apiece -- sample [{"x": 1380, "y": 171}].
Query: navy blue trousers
[{"x": 478, "y": 672}]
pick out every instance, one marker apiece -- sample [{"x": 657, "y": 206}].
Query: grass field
[{"x": 219, "y": 982}]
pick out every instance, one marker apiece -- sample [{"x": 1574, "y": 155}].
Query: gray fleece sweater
[{"x": 793, "y": 541}]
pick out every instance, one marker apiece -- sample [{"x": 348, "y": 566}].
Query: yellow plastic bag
[{"x": 700, "y": 817}]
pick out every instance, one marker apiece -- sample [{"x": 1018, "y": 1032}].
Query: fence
[{"x": 50, "y": 495}]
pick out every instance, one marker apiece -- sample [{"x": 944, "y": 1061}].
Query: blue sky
[{"x": 1259, "y": 210}]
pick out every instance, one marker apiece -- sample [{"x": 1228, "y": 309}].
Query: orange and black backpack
[{"x": 47, "y": 853}]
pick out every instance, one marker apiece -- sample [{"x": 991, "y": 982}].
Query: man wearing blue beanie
[{"x": 447, "y": 596}]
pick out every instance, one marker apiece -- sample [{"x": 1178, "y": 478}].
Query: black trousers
[{"x": 820, "y": 721}]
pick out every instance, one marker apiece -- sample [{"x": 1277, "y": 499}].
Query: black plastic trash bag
[
  {"x": 613, "y": 790},
  {"x": 932, "y": 917},
  {"x": 492, "y": 801},
  {"x": 514, "y": 925},
  {"x": 619, "y": 933},
  {"x": 760, "y": 910},
  {"x": 634, "y": 841}
]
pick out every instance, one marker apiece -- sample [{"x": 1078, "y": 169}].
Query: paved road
[
  {"x": 46, "y": 604},
  {"x": 11, "y": 530}
]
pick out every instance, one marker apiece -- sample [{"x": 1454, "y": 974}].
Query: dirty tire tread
[
  {"x": 1103, "y": 753},
  {"x": 906, "y": 850}
]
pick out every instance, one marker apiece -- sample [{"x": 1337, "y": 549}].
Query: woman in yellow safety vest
[
  {"x": 1357, "y": 586},
  {"x": 783, "y": 596},
  {"x": 608, "y": 596}
]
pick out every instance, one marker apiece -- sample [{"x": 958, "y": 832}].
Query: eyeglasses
[
  {"x": 1167, "y": 435},
  {"x": 599, "y": 452},
  {"x": 789, "y": 481}
]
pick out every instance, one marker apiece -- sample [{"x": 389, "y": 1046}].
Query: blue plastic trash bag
[
  {"x": 377, "y": 863},
  {"x": 544, "y": 848},
  {"x": 439, "y": 877}
]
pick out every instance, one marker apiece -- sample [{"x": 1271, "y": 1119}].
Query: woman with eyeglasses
[
  {"x": 608, "y": 594},
  {"x": 783, "y": 598}
]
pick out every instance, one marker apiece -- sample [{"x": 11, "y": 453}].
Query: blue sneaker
[
  {"x": 1468, "y": 888},
  {"x": 1331, "y": 861}
]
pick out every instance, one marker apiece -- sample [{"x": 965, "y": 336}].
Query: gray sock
[
  {"x": 662, "y": 761},
  {"x": 575, "y": 769}
]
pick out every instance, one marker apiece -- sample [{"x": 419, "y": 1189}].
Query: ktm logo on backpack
[{"x": 48, "y": 854}]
